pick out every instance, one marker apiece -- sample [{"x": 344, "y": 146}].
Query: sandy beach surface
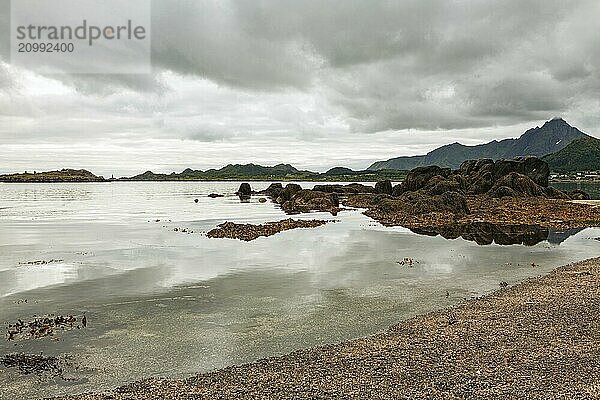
[{"x": 536, "y": 340}]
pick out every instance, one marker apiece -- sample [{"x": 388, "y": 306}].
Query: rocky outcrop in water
[
  {"x": 384, "y": 187},
  {"x": 248, "y": 232},
  {"x": 244, "y": 191},
  {"x": 521, "y": 177},
  {"x": 274, "y": 190},
  {"x": 287, "y": 193},
  {"x": 311, "y": 200},
  {"x": 353, "y": 188}
]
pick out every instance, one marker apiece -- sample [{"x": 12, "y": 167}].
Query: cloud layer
[{"x": 372, "y": 79}]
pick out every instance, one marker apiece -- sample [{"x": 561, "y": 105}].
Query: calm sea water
[
  {"x": 170, "y": 304},
  {"x": 592, "y": 188}
]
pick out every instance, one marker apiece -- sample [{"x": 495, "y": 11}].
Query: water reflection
[{"x": 485, "y": 233}]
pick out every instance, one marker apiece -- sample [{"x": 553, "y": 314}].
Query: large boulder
[
  {"x": 420, "y": 202},
  {"x": 384, "y": 187},
  {"x": 521, "y": 185},
  {"x": 245, "y": 190},
  {"x": 439, "y": 185},
  {"x": 311, "y": 200},
  {"x": 397, "y": 190},
  {"x": 287, "y": 193},
  {"x": 419, "y": 177},
  {"x": 274, "y": 190},
  {"x": 470, "y": 167},
  {"x": 481, "y": 182},
  {"x": 502, "y": 191},
  {"x": 536, "y": 169}
]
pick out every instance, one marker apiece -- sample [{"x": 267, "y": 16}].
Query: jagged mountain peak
[{"x": 552, "y": 136}]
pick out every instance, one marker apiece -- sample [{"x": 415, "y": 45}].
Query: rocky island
[{"x": 64, "y": 175}]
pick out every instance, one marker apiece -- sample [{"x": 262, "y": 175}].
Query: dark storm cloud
[{"x": 393, "y": 64}]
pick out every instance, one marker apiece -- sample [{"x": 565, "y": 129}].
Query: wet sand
[{"x": 538, "y": 339}]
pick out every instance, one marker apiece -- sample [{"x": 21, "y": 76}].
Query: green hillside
[{"x": 580, "y": 155}]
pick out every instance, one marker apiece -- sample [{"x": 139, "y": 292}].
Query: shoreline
[{"x": 537, "y": 339}]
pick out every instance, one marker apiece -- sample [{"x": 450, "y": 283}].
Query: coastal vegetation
[{"x": 580, "y": 155}]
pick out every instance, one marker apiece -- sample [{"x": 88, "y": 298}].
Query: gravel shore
[{"x": 537, "y": 340}]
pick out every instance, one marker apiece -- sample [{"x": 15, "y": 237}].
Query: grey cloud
[{"x": 264, "y": 73}]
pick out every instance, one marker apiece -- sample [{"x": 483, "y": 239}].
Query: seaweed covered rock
[
  {"x": 421, "y": 202},
  {"x": 311, "y": 200},
  {"x": 287, "y": 193},
  {"x": 384, "y": 187},
  {"x": 523, "y": 176},
  {"x": 532, "y": 167},
  {"x": 353, "y": 188},
  {"x": 274, "y": 190},
  {"x": 419, "y": 177},
  {"x": 439, "y": 185},
  {"x": 521, "y": 185}
]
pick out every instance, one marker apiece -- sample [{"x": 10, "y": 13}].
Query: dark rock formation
[
  {"x": 353, "y": 188},
  {"x": 419, "y": 177},
  {"x": 245, "y": 190},
  {"x": 397, "y": 190},
  {"x": 274, "y": 190},
  {"x": 287, "y": 193},
  {"x": 502, "y": 191},
  {"x": 521, "y": 186},
  {"x": 438, "y": 185},
  {"x": 421, "y": 202},
  {"x": 384, "y": 187},
  {"x": 521, "y": 177},
  {"x": 310, "y": 200},
  {"x": 532, "y": 167}
]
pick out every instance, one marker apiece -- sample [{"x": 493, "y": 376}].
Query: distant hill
[
  {"x": 284, "y": 172},
  {"x": 64, "y": 175},
  {"x": 229, "y": 172},
  {"x": 580, "y": 155},
  {"x": 553, "y": 136}
]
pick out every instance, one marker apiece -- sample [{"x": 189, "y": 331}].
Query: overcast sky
[{"x": 311, "y": 82}]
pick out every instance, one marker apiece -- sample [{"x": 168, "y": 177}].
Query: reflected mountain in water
[{"x": 485, "y": 233}]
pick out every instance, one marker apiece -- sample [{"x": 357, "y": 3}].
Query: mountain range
[
  {"x": 552, "y": 137},
  {"x": 277, "y": 172},
  {"x": 563, "y": 147}
]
